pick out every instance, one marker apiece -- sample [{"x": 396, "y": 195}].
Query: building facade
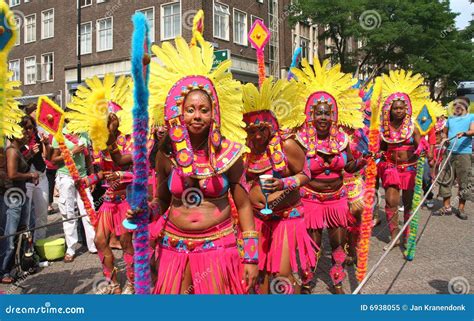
[{"x": 46, "y": 60}]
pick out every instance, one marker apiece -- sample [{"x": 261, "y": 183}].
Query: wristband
[
  {"x": 290, "y": 182},
  {"x": 249, "y": 247}
]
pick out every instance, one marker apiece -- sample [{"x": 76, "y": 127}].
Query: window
[
  {"x": 85, "y": 3},
  {"x": 47, "y": 67},
  {"x": 14, "y": 3},
  {"x": 150, "y": 16},
  {"x": 86, "y": 38},
  {"x": 30, "y": 70},
  {"x": 30, "y": 28},
  {"x": 221, "y": 21},
  {"x": 14, "y": 66},
  {"x": 105, "y": 34},
  {"x": 101, "y": 1},
  {"x": 47, "y": 24},
  {"x": 240, "y": 27},
  {"x": 18, "y": 34},
  {"x": 253, "y": 19},
  {"x": 304, "y": 44},
  {"x": 171, "y": 21}
]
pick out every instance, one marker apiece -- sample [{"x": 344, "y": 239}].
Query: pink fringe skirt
[
  {"x": 401, "y": 176},
  {"x": 326, "y": 210},
  {"x": 211, "y": 256},
  {"x": 112, "y": 212},
  {"x": 290, "y": 224}
]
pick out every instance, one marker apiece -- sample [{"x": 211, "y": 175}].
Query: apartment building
[{"x": 46, "y": 56}]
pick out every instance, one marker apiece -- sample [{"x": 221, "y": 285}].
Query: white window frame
[
  {"x": 12, "y": 4},
  {"x": 18, "y": 70},
  {"x": 246, "y": 27},
  {"x": 253, "y": 19},
  {"x": 162, "y": 20},
  {"x": 26, "y": 28},
  {"x": 84, "y": 6},
  {"x": 97, "y": 39},
  {"x": 43, "y": 67},
  {"x": 91, "y": 36},
  {"x": 153, "y": 27},
  {"x": 18, "y": 34},
  {"x": 42, "y": 24},
  {"x": 26, "y": 73},
  {"x": 226, "y": 38}
]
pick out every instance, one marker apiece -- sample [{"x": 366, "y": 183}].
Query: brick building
[{"x": 46, "y": 61}]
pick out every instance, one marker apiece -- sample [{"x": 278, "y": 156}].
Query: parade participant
[
  {"x": 354, "y": 183},
  {"x": 330, "y": 104},
  {"x": 108, "y": 103},
  {"x": 460, "y": 125},
  {"x": 15, "y": 210},
  {"x": 286, "y": 249},
  {"x": 434, "y": 139},
  {"x": 37, "y": 151},
  {"x": 400, "y": 140},
  {"x": 198, "y": 164}
]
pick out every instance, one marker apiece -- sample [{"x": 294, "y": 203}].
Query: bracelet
[
  {"x": 249, "y": 247},
  {"x": 250, "y": 234},
  {"x": 291, "y": 182}
]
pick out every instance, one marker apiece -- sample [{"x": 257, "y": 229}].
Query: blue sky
[{"x": 465, "y": 8}]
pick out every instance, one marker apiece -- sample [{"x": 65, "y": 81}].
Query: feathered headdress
[
  {"x": 401, "y": 85},
  {"x": 329, "y": 85},
  {"x": 181, "y": 69},
  {"x": 93, "y": 104},
  {"x": 10, "y": 114},
  {"x": 277, "y": 105}
]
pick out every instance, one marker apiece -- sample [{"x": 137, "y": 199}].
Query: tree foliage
[{"x": 413, "y": 34}]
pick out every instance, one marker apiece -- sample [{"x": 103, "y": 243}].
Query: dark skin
[
  {"x": 259, "y": 136},
  {"x": 13, "y": 156},
  {"x": 322, "y": 123},
  {"x": 392, "y": 194},
  {"x": 197, "y": 114},
  {"x": 103, "y": 234}
]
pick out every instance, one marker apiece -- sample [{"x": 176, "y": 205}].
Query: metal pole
[
  {"x": 79, "y": 76},
  {"x": 392, "y": 243}
]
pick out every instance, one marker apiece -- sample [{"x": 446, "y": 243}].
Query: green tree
[{"x": 415, "y": 34}]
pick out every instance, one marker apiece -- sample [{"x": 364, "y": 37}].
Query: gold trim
[{"x": 213, "y": 237}]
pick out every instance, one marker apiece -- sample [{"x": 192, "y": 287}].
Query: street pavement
[{"x": 444, "y": 254}]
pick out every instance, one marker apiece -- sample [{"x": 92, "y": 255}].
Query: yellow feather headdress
[
  {"x": 282, "y": 99},
  {"x": 11, "y": 114},
  {"x": 331, "y": 85},
  {"x": 180, "y": 70},
  {"x": 401, "y": 85},
  {"x": 179, "y": 62},
  {"x": 92, "y": 105}
]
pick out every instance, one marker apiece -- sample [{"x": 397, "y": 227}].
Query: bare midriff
[
  {"x": 325, "y": 185},
  {"x": 208, "y": 214}
]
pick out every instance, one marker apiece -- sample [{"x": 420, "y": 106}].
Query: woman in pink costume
[
  {"x": 399, "y": 142},
  {"x": 115, "y": 162},
  {"x": 286, "y": 249},
  {"x": 331, "y": 102},
  {"x": 198, "y": 165}
]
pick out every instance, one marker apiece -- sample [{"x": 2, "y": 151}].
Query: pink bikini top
[
  {"x": 321, "y": 170},
  {"x": 406, "y": 145},
  {"x": 211, "y": 187}
]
